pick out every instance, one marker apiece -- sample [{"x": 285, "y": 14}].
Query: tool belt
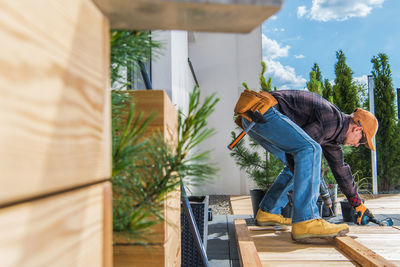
[{"x": 253, "y": 101}]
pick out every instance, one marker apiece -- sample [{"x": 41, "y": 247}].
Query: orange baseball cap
[{"x": 368, "y": 122}]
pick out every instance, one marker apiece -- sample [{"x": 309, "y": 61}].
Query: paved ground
[{"x": 221, "y": 246}]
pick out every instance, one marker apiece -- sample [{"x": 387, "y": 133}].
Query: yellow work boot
[
  {"x": 317, "y": 228},
  {"x": 265, "y": 219}
]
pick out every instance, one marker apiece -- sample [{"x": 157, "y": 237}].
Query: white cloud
[
  {"x": 284, "y": 77},
  {"x": 277, "y": 30},
  {"x": 274, "y": 17},
  {"x": 299, "y": 56},
  {"x": 362, "y": 80},
  {"x": 326, "y": 10},
  {"x": 272, "y": 50},
  {"x": 301, "y": 11}
]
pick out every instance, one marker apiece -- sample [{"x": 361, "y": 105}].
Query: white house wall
[
  {"x": 221, "y": 63},
  {"x": 170, "y": 69}
]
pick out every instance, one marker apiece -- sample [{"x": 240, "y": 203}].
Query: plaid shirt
[{"x": 327, "y": 125}]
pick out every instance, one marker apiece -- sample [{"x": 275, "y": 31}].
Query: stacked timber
[{"x": 55, "y": 156}]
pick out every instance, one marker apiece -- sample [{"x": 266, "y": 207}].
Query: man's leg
[
  {"x": 281, "y": 134},
  {"x": 290, "y": 138},
  {"x": 276, "y": 197}
]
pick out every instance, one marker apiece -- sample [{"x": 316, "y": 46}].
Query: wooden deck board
[
  {"x": 276, "y": 248},
  {"x": 360, "y": 253},
  {"x": 247, "y": 251},
  {"x": 241, "y": 205},
  {"x": 381, "y": 204}
]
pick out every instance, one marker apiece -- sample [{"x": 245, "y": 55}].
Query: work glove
[{"x": 362, "y": 215}]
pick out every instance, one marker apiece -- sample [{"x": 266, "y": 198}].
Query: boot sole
[{"x": 309, "y": 238}]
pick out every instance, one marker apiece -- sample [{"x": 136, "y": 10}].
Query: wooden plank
[
  {"x": 384, "y": 204},
  {"x": 382, "y": 240},
  {"x": 107, "y": 225},
  {"x": 241, "y": 205},
  {"x": 61, "y": 230},
  {"x": 278, "y": 246},
  {"x": 139, "y": 256},
  {"x": 164, "y": 240},
  {"x": 54, "y": 97},
  {"x": 308, "y": 263},
  {"x": 173, "y": 229},
  {"x": 239, "y": 16},
  {"x": 361, "y": 254},
  {"x": 247, "y": 250},
  {"x": 158, "y": 102},
  {"x": 164, "y": 231}
]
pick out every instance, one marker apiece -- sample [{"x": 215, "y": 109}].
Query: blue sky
[{"x": 305, "y": 32}]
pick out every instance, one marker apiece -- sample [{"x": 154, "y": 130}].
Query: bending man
[{"x": 298, "y": 130}]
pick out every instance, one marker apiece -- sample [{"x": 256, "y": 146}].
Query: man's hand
[{"x": 363, "y": 215}]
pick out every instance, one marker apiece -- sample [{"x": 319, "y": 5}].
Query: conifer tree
[
  {"x": 326, "y": 87},
  {"x": 265, "y": 85},
  {"x": 327, "y": 91},
  {"x": 345, "y": 96},
  {"x": 344, "y": 91},
  {"x": 314, "y": 85},
  {"x": 387, "y": 153},
  {"x": 317, "y": 71}
]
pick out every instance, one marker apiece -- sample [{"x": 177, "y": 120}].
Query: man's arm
[{"x": 342, "y": 173}]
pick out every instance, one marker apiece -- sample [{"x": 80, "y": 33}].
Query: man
[{"x": 298, "y": 130}]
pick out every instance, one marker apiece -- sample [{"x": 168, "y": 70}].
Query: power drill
[
  {"x": 371, "y": 218},
  {"x": 324, "y": 193}
]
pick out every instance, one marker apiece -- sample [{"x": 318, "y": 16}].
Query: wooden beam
[
  {"x": 239, "y": 16},
  {"x": 247, "y": 250},
  {"x": 62, "y": 230},
  {"x": 54, "y": 98},
  {"x": 361, "y": 254}
]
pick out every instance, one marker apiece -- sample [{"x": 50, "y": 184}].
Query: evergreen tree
[
  {"x": 265, "y": 85},
  {"x": 326, "y": 87},
  {"x": 317, "y": 71},
  {"x": 327, "y": 91},
  {"x": 344, "y": 91},
  {"x": 387, "y": 153},
  {"x": 345, "y": 96},
  {"x": 314, "y": 85}
]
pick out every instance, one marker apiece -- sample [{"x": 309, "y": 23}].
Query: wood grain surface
[
  {"x": 165, "y": 237},
  {"x": 62, "y": 230},
  {"x": 248, "y": 254},
  {"x": 360, "y": 253},
  {"x": 54, "y": 97}
]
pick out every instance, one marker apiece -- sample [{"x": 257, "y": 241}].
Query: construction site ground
[{"x": 275, "y": 248}]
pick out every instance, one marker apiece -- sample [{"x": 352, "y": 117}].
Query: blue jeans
[{"x": 280, "y": 135}]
